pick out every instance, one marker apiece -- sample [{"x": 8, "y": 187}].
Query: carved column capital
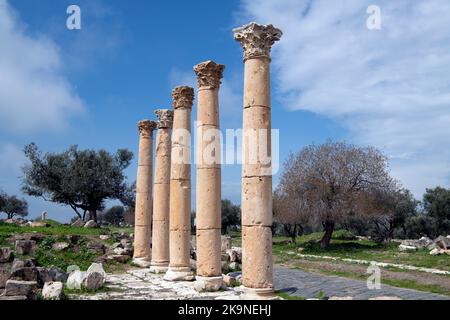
[
  {"x": 165, "y": 118},
  {"x": 183, "y": 97},
  {"x": 146, "y": 128},
  {"x": 209, "y": 74},
  {"x": 257, "y": 39}
]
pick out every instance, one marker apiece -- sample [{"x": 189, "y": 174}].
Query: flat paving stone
[{"x": 304, "y": 284}]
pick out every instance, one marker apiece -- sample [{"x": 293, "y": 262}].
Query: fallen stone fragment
[
  {"x": 6, "y": 255},
  {"x": 52, "y": 290}
]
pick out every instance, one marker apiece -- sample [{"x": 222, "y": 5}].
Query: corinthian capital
[
  {"x": 146, "y": 128},
  {"x": 257, "y": 39},
  {"x": 183, "y": 97},
  {"x": 209, "y": 74},
  {"x": 165, "y": 118}
]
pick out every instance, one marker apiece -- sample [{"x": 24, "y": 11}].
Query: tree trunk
[
  {"x": 10, "y": 215},
  {"x": 294, "y": 234},
  {"x": 328, "y": 227},
  {"x": 93, "y": 215}
]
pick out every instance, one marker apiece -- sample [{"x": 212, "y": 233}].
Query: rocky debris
[
  {"x": 52, "y": 290},
  {"x": 226, "y": 243},
  {"x": 118, "y": 258},
  {"x": 16, "y": 288},
  {"x": 37, "y": 224},
  {"x": 25, "y": 274},
  {"x": 104, "y": 237},
  {"x": 442, "y": 242},
  {"x": 51, "y": 275},
  {"x": 37, "y": 237},
  {"x": 234, "y": 266},
  {"x": 25, "y": 247},
  {"x": 4, "y": 276},
  {"x": 73, "y": 238},
  {"x": 225, "y": 268},
  {"x": 60, "y": 246},
  {"x": 96, "y": 247},
  {"x": 78, "y": 223},
  {"x": 6, "y": 255},
  {"x": 235, "y": 254},
  {"x": 75, "y": 280},
  {"x": 13, "y": 298},
  {"x": 224, "y": 257},
  {"x": 121, "y": 251},
  {"x": 19, "y": 264},
  {"x": 193, "y": 264},
  {"x": 423, "y": 242},
  {"x": 404, "y": 248},
  {"x": 232, "y": 279},
  {"x": 91, "y": 224},
  {"x": 94, "y": 278},
  {"x": 437, "y": 252}
]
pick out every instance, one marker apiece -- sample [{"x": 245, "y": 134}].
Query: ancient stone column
[
  {"x": 180, "y": 187},
  {"x": 143, "y": 211},
  {"x": 208, "y": 189},
  {"x": 161, "y": 193},
  {"x": 257, "y": 264}
]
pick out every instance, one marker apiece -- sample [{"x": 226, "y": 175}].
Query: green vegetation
[
  {"x": 359, "y": 250},
  {"x": 287, "y": 296}
]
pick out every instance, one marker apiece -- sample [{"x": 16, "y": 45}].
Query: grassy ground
[{"x": 343, "y": 246}]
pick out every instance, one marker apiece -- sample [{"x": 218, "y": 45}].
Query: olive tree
[
  {"x": 331, "y": 182},
  {"x": 13, "y": 206},
  {"x": 81, "y": 179}
]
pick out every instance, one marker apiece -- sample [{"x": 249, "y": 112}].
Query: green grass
[
  {"x": 362, "y": 250},
  {"x": 287, "y": 296}
]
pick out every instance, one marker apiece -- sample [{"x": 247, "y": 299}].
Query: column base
[
  {"x": 141, "y": 262},
  {"x": 159, "y": 267},
  {"x": 259, "y": 294},
  {"x": 179, "y": 274},
  {"x": 209, "y": 284}
]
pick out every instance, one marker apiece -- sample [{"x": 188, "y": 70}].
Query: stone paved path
[
  {"x": 139, "y": 284},
  {"x": 305, "y": 284}
]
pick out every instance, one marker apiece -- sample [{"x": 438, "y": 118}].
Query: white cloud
[
  {"x": 390, "y": 88},
  {"x": 35, "y": 95}
]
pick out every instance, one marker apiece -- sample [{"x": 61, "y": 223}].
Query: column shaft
[
  {"x": 208, "y": 189},
  {"x": 161, "y": 202},
  {"x": 257, "y": 264},
  {"x": 180, "y": 187},
  {"x": 143, "y": 211}
]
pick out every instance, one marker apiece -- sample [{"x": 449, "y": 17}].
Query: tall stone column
[
  {"x": 180, "y": 187},
  {"x": 161, "y": 193},
  {"x": 257, "y": 264},
  {"x": 143, "y": 211},
  {"x": 208, "y": 189}
]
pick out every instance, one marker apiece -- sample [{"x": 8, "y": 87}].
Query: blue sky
[{"x": 332, "y": 77}]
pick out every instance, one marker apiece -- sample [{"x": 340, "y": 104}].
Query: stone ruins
[{"x": 163, "y": 206}]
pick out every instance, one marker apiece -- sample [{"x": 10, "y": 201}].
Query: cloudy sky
[{"x": 332, "y": 78}]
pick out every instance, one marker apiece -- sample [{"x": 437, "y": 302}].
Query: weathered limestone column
[
  {"x": 257, "y": 264},
  {"x": 208, "y": 189},
  {"x": 161, "y": 193},
  {"x": 180, "y": 187},
  {"x": 143, "y": 213}
]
